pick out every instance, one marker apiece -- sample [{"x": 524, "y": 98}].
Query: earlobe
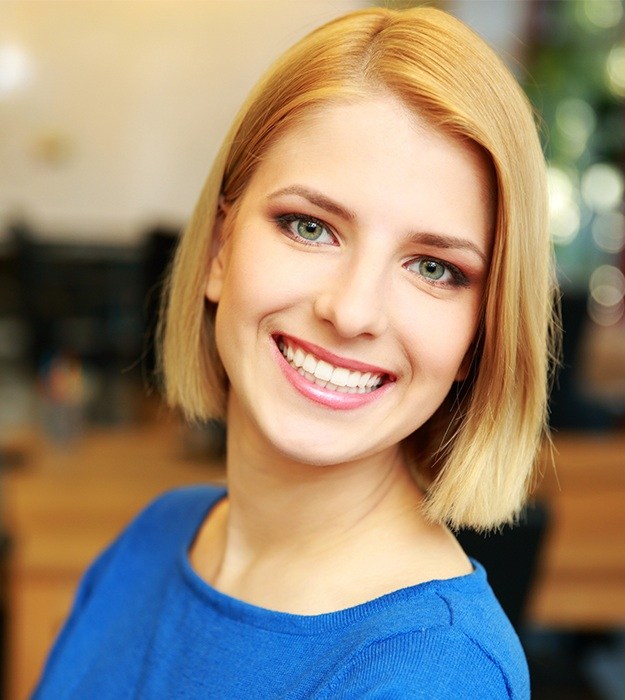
[
  {"x": 216, "y": 270},
  {"x": 216, "y": 274}
]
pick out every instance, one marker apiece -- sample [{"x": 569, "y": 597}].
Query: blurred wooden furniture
[
  {"x": 581, "y": 578},
  {"x": 62, "y": 507}
]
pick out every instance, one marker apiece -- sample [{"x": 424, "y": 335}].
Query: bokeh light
[
  {"x": 576, "y": 121},
  {"x": 15, "y": 69},
  {"x": 615, "y": 70},
  {"x": 600, "y": 14},
  {"x": 564, "y": 214},
  {"x": 608, "y": 231},
  {"x": 607, "y": 289},
  {"x": 602, "y": 187}
]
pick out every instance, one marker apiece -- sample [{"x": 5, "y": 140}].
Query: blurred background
[{"x": 110, "y": 114}]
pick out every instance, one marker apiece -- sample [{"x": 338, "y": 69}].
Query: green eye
[
  {"x": 306, "y": 229},
  {"x": 431, "y": 269},
  {"x": 310, "y": 230},
  {"x": 437, "y": 273}
]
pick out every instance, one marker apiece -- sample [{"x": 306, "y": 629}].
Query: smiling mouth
[{"x": 329, "y": 376}]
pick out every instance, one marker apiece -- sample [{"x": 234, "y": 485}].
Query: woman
[{"x": 364, "y": 293}]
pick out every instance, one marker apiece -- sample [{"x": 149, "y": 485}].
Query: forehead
[{"x": 385, "y": 163}]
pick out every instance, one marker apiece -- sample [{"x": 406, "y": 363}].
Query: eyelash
[
  {"x": 284, "y": 222},
  {"x": 459, "y": 279}
]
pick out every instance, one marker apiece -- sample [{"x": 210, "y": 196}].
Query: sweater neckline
[{"x": 291, "y": 623}]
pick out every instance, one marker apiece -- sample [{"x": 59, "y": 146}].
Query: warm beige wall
[{"x": 123, "y": 102}]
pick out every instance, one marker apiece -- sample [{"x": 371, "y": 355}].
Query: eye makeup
[{"x": 306, "y": 229}]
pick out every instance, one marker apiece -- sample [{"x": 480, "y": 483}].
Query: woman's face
[{"x": 350, "y": 285}]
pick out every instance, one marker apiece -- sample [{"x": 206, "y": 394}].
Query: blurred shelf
[
  {"x": 581, "y": 580},
  {"x": 63, "y": 505}
]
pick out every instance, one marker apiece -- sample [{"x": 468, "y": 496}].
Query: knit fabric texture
[{"x": 145, "y": 625}]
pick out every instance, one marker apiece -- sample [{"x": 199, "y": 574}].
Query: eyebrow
[
  {"x": 316, "y": 198},
  {"x": 445, "y": 241},
  {"x": 436, "y": 240}
]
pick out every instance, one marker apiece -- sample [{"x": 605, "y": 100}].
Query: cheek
[
  {"x": 268, "y": 276},
  {"x": 254, "y": 281},
  {"x": 439, "y": 337}
]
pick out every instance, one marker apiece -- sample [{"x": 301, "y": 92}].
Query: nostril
[{"x": 351, "y": 313}]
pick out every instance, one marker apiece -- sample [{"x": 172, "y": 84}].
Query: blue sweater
[{"x": 145, "y": 625}]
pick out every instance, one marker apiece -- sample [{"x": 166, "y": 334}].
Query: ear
[{"x": 218, "y": 263}]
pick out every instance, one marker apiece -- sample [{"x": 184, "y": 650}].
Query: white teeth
[
  {"x": 352, "y": 380},
  {"x": 310, "y": 364},
  {"x": 298, "y": 358},
  {"x": 326, "y": 375},
  {"x": 324, "y": 371},
  {"x": 362, "y": 382},
  {"x": 340, "y": 376}
]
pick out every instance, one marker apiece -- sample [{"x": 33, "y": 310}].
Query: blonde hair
[{"x": 475, "y": 456}]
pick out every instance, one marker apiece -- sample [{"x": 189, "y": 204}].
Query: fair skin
[{"x": 362, "y": 241}]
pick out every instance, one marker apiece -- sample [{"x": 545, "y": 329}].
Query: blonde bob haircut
[{"x": 474, "y": 458}]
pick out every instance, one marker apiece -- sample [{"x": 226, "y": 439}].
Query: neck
[
  {"x": 295, "y": 536},
  {"x": 278, "y": 504}
]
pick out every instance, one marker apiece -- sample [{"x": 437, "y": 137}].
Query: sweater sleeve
[
  {"x": 154, "y": 520},
  {"x": 434, "y": 663},
  {"x": 83, "y": 594}
]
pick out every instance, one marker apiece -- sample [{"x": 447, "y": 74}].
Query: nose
[{"x": 353, "y": 300}]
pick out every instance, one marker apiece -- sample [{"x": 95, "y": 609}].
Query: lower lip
[{"x": 326, "y": 397}]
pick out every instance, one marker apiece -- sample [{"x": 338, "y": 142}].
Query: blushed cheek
[
  {"x": 250, "y": 283},
  {"x": 449, "y": 347},
  {"x": 272, "y": 279}
]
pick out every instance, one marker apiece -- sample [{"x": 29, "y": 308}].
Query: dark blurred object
[
  {"x": 510, "y": 557},
  {"x": 63, "y": 395},
  {"x": 569, "y": 408},
  {"x": 159, "y": 247},
  {"x": 10, "y": 458},
  {"x": 205, "y": 441},
  {"x": 80, "y": 299},
  {"x": 557, "y": 662}
]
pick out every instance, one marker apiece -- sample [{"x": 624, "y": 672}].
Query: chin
[
  {"x": 314, "y": 455},
  {"x": 317, "y": 452}
]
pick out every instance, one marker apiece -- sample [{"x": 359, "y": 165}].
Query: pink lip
[{"x": 327, "y": 397}]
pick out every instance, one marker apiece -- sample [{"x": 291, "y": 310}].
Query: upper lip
[{"x": 333, "y": 359}]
